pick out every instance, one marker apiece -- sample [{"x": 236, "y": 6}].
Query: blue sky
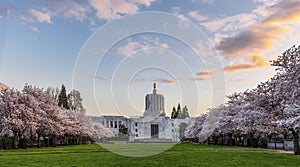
[{"x": 40, "y": 43}]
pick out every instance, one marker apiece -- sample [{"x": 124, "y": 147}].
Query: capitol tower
[{"x": 154, "y": 104}]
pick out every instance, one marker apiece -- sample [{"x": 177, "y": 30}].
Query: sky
[{"x": 112, "y": 51}]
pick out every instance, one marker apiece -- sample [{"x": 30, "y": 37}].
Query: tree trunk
[
  {"x": 296, "y": 143},
  {"x": 47, "y": 141},
  {"x": 76, "y": 139},
  {"x": 38, "y": 140},
  {"x": 31, "y": 138},
  {"x": 245, "y": 141},
  {"x": 15, "y": 140},
  {"x": 53, "y": 140},
  {"x": 67, "y": 139},
  {"x": 21, "y": 144}
]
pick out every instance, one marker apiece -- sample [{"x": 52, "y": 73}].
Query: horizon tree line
[{"x": 180, "y": 114}]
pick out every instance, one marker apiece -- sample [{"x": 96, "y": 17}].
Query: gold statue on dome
[{"x": 154, "y": 86}]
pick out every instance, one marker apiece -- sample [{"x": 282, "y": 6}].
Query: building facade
[{"x": 153, "y": 126}]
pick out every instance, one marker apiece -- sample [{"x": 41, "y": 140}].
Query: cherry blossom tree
[
  {"x": 270, "y": 109},
  {"x": 18, "y": 113},
  {"x": 71, "y": 124},
  {"x": 101, "y": 132},
  {"x": 288, "y": 67},
  {"x": 48, "y": 119}
]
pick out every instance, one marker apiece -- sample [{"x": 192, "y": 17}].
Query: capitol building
[{"x": 152, "y": 126}]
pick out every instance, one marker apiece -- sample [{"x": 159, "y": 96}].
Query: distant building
[
  {"x": 112, "y": 122},
  {"x": 153, "y": 126}
]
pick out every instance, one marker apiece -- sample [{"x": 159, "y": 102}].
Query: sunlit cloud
[
  {"x": 164, "y": 45},
  {"x": 167, "y": 81},
  {"x": 55, "y": 8},
  {"x": 80, "y": 10},
  {"x": 131, "y": 46},
  {"x": 105, "y": 79},
  {"x": 263, "y": 10},
  {"x": 261, "y": 37},
  {"x": 256, "y": 62},
  {"x": 206, "y": 50},
  {"x": 205, "y": 74},
  {"x": 112, "y": 9},
  {"x": 284, "y": 12},
  {"x": 33, "y": 15},
  {"x": 195, "y": 15},
  {"x": 68, "y": 9},
  {"x": 238, "y": 80},
  {"x": 183, "y": 21},
  {"x": 230, "y": 23}
]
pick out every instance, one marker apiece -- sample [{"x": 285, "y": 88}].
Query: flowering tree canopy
[
  {"x": 33, "y": 111},
  {"x": 272, "y": 107}
]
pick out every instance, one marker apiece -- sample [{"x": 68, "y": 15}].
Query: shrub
[
  {"x": 7, "y": 142},
  {"x": 263, "y": 142},
  {"x": 22, "y": 143}
]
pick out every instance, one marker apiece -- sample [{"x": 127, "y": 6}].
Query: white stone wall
[{"x": 111, "y": 122}]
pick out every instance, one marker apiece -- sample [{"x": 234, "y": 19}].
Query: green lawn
[{"x": 179, "y": 155}]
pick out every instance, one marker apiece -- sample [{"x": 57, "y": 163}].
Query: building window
[
  {"x": 136, "y": 135},
  {"x": 136, "y": 130},
  {"x": 172, "y": 130},
  {"x": 111, "y": 124},
  {"x": 172, "y": 124},
  {"x": 116, "y": 126},
  {"x": 103, "y": 123},
  {"x": 136, "y": 124},
  {"x": 120, "y": 123},
  {"x": 107, "y": 124}
]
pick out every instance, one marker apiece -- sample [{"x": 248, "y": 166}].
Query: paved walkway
[
  {"x": 281, "y": 151},
  {"x": 286, "y": 152}
]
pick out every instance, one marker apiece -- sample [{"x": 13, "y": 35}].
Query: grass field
[{"x": 179, "y": 155}]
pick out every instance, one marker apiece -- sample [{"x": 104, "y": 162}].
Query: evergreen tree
[
  {"x": 62, "y": 98},
  {"x": 123, "y": 130},
  {"x": 179, "y": 112},
  {"x": 185, "y": 113},
  {"x": 174, "y": 113}
]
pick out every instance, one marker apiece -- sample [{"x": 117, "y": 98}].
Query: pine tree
[
  {"x": 179, "y": 113},
  {"x": 123, "y": 130},
  {"x": 185, "y": 112},
  {"x": 62, "y": 98},
  {"x": 174, "y": 113}
]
